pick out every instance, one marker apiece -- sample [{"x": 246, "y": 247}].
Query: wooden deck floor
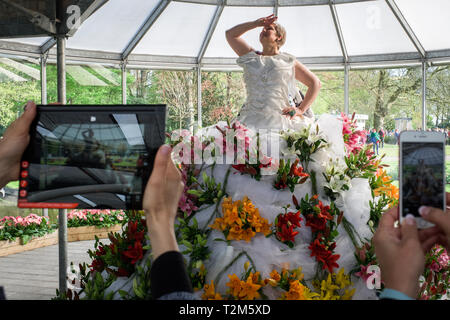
[{"x": 33, "y": 275}]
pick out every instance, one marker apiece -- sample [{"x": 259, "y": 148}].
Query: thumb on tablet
[{"x": 162, "y": 159}]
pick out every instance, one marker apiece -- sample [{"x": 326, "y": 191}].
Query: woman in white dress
[
  {"x": 270, "y": 78},
  {"x": 270, "y": 82}
]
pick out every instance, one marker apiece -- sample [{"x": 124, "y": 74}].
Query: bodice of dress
[{"x": 268, "y": 81}]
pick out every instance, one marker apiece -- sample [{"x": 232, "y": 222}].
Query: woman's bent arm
[
  {"x": 233, "y": 36},
  {"x": 313, "y": 83}
]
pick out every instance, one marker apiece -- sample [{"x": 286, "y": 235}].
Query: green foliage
[
  {"x": 195, "y": 241},
  {"x": 208, "y": 192}
]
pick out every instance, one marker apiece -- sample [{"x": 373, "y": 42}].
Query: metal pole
[
  {"x": 346, "y": 89},
  {"x": 61, "y": 66},
  {"x": 62, "y": 241},
  {"x": 44, "y": 78},
  {"x": 123, "y": 67},
  {"x": 62, "y": 217},
  {"x": 424, "y": 95},
  {"x": 199, "y": 97}
]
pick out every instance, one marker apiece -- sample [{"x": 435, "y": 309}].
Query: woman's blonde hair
[{"x": 281, "y": 32}]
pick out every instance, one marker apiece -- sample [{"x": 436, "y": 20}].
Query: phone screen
[
  {"x": 87, "y": 158},
  {"x": 422, "y": 175}
]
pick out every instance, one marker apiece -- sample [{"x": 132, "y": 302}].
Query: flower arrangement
[
  {"x": 187, "y": 203},
  {"x": 321, "y": 219},
  {"x": 24, "y": 228},
  {"x": 436, "y": 278},
  {"x": 288, "y": 176},
  {"x": 292, "y": 283},
  {"x": 363, "y": 163},
  {"x": 354, "y": 139},
  {"x": 304, "y": 143},
  {"x": 285, "y": 223},
  {"x": 124, "y": 251},
  {"x": 241, "y": 220},
  {"x": 94, "y": 217},
  {"x": 336, "y": 179}
]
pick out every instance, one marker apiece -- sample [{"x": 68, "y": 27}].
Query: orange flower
[
  {"x": 210, "y": 292},
  {"x": 238, "y": 214},
  {"x": 234, "y": 284},
  {"x": 295, "y": 292}
]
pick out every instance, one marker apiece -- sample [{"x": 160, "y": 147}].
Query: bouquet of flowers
[
  {"x": 288, "y": 176},
  {"x": 354, "y": 139},
  {"x": 321, "y": 219},
  {"x": 336, "y": 179},
  {"x": 436, "y": 279},
  {"x": 304, "y": 143},
  {"x": 285, "y": 223},
  {"x": 241, "y": 220}
]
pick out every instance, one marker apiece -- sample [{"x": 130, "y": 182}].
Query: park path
[{"x": 34, "y": 275}]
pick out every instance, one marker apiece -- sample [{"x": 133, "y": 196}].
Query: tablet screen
[{"x": 90, "y": 156}]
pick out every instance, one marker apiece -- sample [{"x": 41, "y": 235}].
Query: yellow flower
[
  {"x": 210, "y": 292},
  {"x": 241, "y": 220},
  {"x": 249, "y": 290},
  {"x": 348, "y": 295},
  {"x": 234, "y": 284},
  {"x": 275, "y": 275},
  {"x": 295, "y": 291},
  {"x": 342, "y": 280}
]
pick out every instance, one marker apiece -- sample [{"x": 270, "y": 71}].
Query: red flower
[
  {"x": 330, "y": 262},
  {"x": 319, "y": 251},
  {"x": 324, "y": 255},
  {"x": 133, "y": 233},
  {"x": 294, "y": 218},
  {"x": 134, "y": 253},
  {"x": 287, "y": 233},
  {"x": 97, "y": 264},
  {"x": 316, "y": 223}
]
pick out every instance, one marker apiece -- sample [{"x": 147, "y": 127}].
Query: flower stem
[{"x": 312, "y": 175}]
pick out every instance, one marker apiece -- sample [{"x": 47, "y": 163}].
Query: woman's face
[{"x": 268, "y": 35}]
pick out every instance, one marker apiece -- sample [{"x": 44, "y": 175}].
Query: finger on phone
[{"x": 436, "y": 216}]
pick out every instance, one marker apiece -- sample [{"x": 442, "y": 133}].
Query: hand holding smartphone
[
  {"x": 90, "y": 157},
  {"x": 421, "y": 173}
]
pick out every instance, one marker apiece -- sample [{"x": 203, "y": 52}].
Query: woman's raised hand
[{"x": 267, "y": 21}]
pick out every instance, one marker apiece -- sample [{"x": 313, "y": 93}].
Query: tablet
[{"x": 90, "y": 157}]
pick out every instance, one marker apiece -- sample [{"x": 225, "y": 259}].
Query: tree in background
[
  {"x": 223, "y": 94},
  {"x": 438, "y": 96}
]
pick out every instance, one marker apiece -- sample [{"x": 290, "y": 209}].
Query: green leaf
[{"x": 25, "y": 239}]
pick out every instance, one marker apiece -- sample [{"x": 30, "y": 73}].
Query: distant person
[
  {"x": 397, "y": 136},
  {"x": 374, "y": 138},
  {"x": 381, "y": 133}
]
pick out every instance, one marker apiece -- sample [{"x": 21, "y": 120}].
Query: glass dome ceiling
[{"x": 186, "y": 34}]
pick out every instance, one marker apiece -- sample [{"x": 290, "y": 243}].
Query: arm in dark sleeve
[{"x": 168, "y": 274}]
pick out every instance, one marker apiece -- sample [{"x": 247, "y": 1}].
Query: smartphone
[
  {"x": 421, "y": 173},
  {"x": 90, "y": 157}
]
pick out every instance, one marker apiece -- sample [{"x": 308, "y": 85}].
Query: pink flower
[
  {"x": 363, "y": 273},
  {"x": 101, "y": 219},
  {"x": 443, "y": 260},
  {"x": 435, "y": 267},
  {"x": 119, "y": 217}
]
